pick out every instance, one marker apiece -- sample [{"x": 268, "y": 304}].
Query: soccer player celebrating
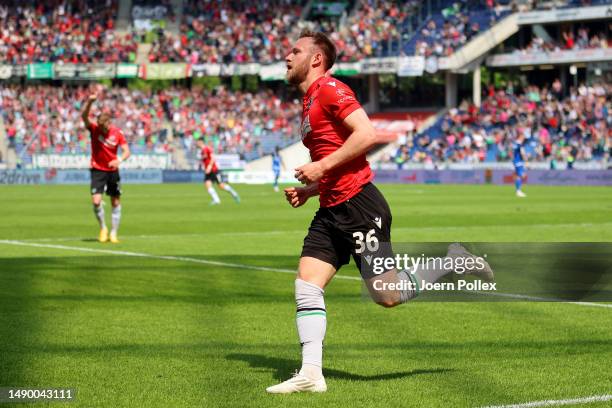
[
  {"x": 277, "y": 163},
  {"x": 105, "y": 140},
  {"x": 211, "y": 174},
  {"x": 353, "y": 213},
  {"x": 518, "y": 159}
]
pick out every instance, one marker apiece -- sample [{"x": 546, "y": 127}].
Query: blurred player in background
[
  {"x": 518, "y": 160},
  {"x": 212, "y": 174},
  {"x": 277, "y": 163},
  {"x": 105, "y": 141},
  {"x": 353, "y": 213}
]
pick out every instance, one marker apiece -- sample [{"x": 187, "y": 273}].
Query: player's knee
[
  {"x": 308, "y": 296},
  {"x": 387, "y": 299},
  {"x": 388, "y": 303}
]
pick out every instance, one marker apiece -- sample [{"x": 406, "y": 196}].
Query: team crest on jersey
[
  {"x": 309, "y": 104},
  {"x": 306, "y": 127}
]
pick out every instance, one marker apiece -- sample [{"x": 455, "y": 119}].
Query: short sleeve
[
  {"x": 92, "y": 127},
  {"x": 338, "y": 99},
  {"x": 120, "y": 137}
]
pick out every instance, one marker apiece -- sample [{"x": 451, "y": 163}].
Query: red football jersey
[
  {"x": 326, "y": 103},
  {"x": 104, "y": 147},
  {"x": 207, "y": 157}
]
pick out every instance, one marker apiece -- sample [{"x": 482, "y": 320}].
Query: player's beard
[{"x": 298, "y": 74}]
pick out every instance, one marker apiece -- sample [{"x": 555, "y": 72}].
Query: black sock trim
[{"x": 302, "y": 309}]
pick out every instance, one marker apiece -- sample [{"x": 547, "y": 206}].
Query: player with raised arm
[
  {"x": 106, "y": 139},
  {"x": 212, "y": 174},
  {"x": 519, "y": 162},
  {"x": 353, "y": 214}
]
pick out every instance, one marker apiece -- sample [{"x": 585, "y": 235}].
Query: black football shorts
[
  {"x": 213, "y": 176},
  {"x": 105, "y": 181},
  {"x": 359, "y": 227}
]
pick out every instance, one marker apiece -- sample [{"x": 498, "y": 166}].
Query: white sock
[
  {"x": 311, "y": 324},
  {"x": 230, "y": 190},
  {"x": 429, "y": 273},
  {"x": 115, "y": 219},
  {"x": 214, "y": 195},
  {"x": 99, "y": 213},
  {"x": 432, "y": 272}
]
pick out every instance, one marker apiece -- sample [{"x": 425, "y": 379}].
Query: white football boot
[
  {"x": 298, "y": 383},
  {"x": 456, "y": 250}
]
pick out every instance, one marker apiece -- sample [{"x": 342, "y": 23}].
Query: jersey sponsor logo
[
  {"x": 343, "y": 96},
  {"x": 110, "y": 142},
  {"x": 306, "y": 127}
]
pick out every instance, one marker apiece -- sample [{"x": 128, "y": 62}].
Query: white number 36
[{"x": 371, "y": 242}]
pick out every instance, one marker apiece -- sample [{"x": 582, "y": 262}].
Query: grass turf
[{"x": 131, "y": 331}]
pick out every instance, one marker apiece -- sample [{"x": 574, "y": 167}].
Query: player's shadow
[{"x": 283, "y": 368}]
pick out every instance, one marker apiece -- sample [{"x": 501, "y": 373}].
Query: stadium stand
[
  {"x": 259, "y": 33},
  {"x": 248, "y": 124},
  {"x": 454, "y": 26},
  {"x": 583, "y": 40},
  {"x": 62, "y": 31},
  {"x": 577, "y": 127},
  {"x": 373, "y": 28},
  {"x": 46, "y": 119}
]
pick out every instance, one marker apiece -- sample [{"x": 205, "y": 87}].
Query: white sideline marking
[
  {"x": 511, "y": 226},
  {"x": 156, "y": 236},
  {"x": 282, "y": 232},
  {"x": 550, "y": 403},
  {"x": 164, "y": 257},
  {"x": 258, "y": 268},
  {"x": 539, "y": 299}
]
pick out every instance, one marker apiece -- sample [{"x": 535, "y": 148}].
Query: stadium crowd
[
  {"x": 83, "y": 31},
  {"x": 582, "y": 41},
  {"x": 228, "y": 31},
  {"x": 261, "y": 32},
  {"x": 48, "y": 118},
  {"x": 457, "y": 25},
  {"x": 558, "y": 129},
  {"x": 76, "y": 31},
  {"x": 371, "y": 29},
  {"x": 234, "y": 122}
]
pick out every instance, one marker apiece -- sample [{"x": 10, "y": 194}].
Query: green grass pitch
[{"x": 141, "y": 331}]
